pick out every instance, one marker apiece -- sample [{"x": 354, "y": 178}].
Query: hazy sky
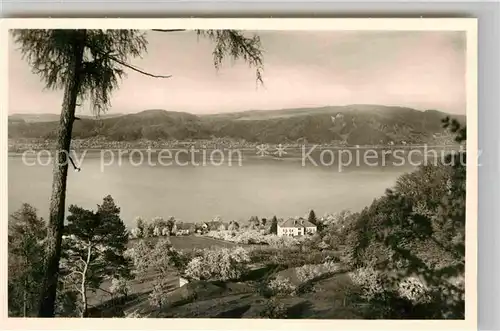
[{"x": 415, "y": 69}]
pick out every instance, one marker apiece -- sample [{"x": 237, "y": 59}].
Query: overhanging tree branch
[
  {"x": 234, "y": 44},
  {"x": 73, "y": 164},
  {"x": 168, "y": 30},
  {"x": 257, "y": 60},
  {"x": 137, "y": 69}
]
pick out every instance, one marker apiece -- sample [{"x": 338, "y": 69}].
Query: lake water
[{"x": 260, "y": 187}]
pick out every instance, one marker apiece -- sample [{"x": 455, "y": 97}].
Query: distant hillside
[
  {"x": 34, "y": 118},
  {"x": 353, "y": 124}
]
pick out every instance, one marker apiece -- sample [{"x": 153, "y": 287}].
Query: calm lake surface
[{"x": 260, "y": 187}]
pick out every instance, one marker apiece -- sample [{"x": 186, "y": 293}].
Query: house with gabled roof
[
  {"x": 216, "y": 226},
  {"x": 185, "y": 228},
  {"x": 294, "y": 227}
]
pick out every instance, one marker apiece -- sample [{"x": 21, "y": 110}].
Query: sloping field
[
  {"x": 139, "y": 288},
  {"x": 241, "y": 300},
  {"x": 190, "y": 242},
  {"x": 216, "y": 299}
]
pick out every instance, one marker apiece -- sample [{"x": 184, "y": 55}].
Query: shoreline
[{"x": 294, "y": 147}]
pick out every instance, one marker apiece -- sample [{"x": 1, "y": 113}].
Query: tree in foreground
[
  {"x": 119, "y": 286},
  {"x": 88, "y": 65},
  {"x": 94, "y": 248},
  {"x": 218, "y": 264},
  {"x": 416, "y": 234},
  {"x": 26, "y": 237},
  {"x": 161, "y": 260},
  {"x": 140, "y": 255},
  {"x": 164, "y": 260},
  {"x": 157, "y": 298}
]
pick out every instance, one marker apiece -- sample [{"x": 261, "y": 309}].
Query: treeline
[{"x": 353, "y": 125}]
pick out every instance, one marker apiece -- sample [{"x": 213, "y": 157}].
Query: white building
[
  {"x": 182, "y": 232},
  {"x": 296, "y": 227},
  {"x": 182, "y": 281}
]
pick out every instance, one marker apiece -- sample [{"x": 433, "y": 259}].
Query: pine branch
[
  {"x": 169, "y": 30},
  {"x": 73, "y": 163},
  {"x": 105, "y": 291},
  {"x": 137, "y": 69},
  {"x": 256, "y": 59}
]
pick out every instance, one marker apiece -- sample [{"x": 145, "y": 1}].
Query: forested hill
[{"x": 353, "y": 124}]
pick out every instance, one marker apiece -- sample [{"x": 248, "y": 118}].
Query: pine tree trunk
[
  {"x": 25, "y": 289},
  {"x": 57, "y": 200},
  {"x": 25, "y": 298},
  {"x": 84, "y": 299}
]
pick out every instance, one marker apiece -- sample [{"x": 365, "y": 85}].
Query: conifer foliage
[
  {"x": 93, "y": 248},
  {"x": 25, "y": 242}
]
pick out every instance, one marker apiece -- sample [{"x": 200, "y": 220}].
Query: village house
[
  {"x": 216, "y": 226},
  {"x": 184, "y": 229},
  {"x": 201, "y": 228},
  {"x": 296, "y": 227}
]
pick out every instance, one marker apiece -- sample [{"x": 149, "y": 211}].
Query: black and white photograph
[{"x": 188, "y": 172}]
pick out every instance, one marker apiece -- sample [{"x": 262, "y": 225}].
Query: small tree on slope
[{"x": 94, "y": 248}]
